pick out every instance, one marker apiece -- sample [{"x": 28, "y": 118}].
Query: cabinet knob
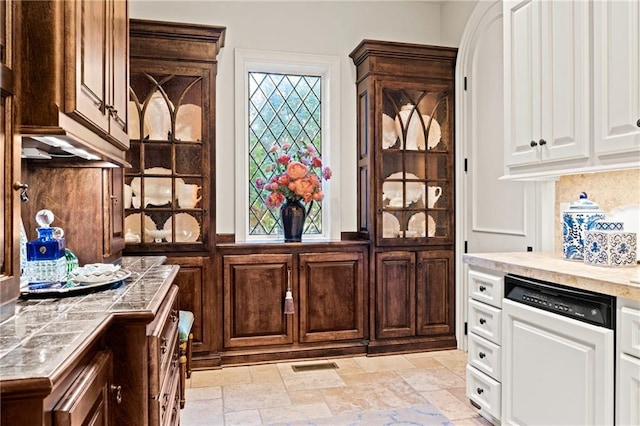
[
  {"x": 480, "y": 391},
  {"x": 638, "y": 122},
  {"x": 542, "y": 142},
  {"x": 482, "y": 320},
  {"x": 163, "y": 347},
  {"x": 482, "y": 288},
  {"x": 118, "y": 392},
  {"x": 533, "y": 144},
  {"x": 481, "y": 355},
  {"x": 22, "y": 187}
]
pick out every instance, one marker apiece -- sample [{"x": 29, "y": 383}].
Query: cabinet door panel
[
  {"x": 119, "y": 71},
  {"x": 395, "y": 298},
  {"x": 331, "y": 296},
  {"x": 435, "y": 293},
  {"x": 254, "y": 289},
  {"x": 87, "y": 401}
]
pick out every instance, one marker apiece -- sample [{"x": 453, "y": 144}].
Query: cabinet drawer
[
  {"x": 484, "y": 320},
  {"x": 485, "y": 356},
  {"x": 487, "y": 288},
  {"x": 164, "y": 408},
  {"x": 484, "y": 391},
  {"x": 630, "y": 331},
  {"x": 162, "y": 337}
]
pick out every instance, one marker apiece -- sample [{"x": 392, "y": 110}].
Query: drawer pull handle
[
  {"x": 480, "y": 391},
  {"x": 174, "y": 315},
  {"x": 482, "y": 320},
  {"x": 482, "y": 355},
  {"x": 482, "y": 288},
  {"x": 118, "y": 391},
  {"x": 163, "y": 347},
  {"x": 165, "y": 402}
]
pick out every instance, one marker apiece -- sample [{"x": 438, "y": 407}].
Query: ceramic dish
[
  {"x": 415, "y": 133},
  {"x": 94, "y": 272},
  {"x": 157, "y": 117},
  {"x": 159, "y": 234},
  {"x": 420, "y": 226},
  {"x": 189, "y": 123},
  {"x": 132, "y": 226},
  {"x": 389, "y": 133},
  {"x": 390, "y": 225},
  {"x": 392, "y": 191},
  {"x": 629, "y": 215},
  {"x": 187, "y": 228},
  {"x": 157, "y": 190}
]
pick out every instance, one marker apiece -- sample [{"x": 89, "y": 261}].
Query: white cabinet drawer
[
  {"x": 630, "y": 331},
  {"x": 484, "y": 391},
  {"x": 485, "y": 356},
  {"x": 484, "y": 320},
  {"x": 628, "y": 391},
  {"x": 487, "y": 288}
]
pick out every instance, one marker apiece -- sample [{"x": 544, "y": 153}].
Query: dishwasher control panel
[{"x": 594, "y": 308}]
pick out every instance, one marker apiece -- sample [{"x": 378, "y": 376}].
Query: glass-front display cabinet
[
  {"x": 405, "y": 143},
  {"x": 168, "y": 180}
]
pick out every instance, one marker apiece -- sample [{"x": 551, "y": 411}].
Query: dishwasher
[{"x": 558, "y": 354}]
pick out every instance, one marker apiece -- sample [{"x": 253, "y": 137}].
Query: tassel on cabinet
[{"x": 288, "y": 298}]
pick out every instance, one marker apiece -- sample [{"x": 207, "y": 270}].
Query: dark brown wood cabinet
[
  {"x": 73, "y": 79},
  {"x": 171, "y": 180},
  {"x": 94, "y": 228},
  {"x": 328, "y": 284},
  {"x": 10, "y": 153},
  {"x": 88, "y": 400},
  {"x": 405, "y": 133}
]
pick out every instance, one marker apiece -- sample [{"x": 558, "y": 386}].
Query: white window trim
[{"x": 328, "y": 67}]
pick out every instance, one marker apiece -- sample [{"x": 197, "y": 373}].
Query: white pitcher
[{"x": 433, "y": 194}]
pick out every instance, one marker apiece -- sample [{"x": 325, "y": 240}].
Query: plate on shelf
[
  {"x": 189, "y": 123},
  {"x": 157, "y": 117},
  {"x": 415, "y": 133},
  {"x": 389, "y": 133},
  {"x": 418, "y": 224},
  {"x": 187, "y": 228},
  {"x": 157, "y": 190},
  {"x": 390, "y": 225},
  {"x": 132, "y": 226},
  {"x": 392, "y": 191}
]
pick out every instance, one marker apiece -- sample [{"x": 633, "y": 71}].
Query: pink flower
[
  {"x": 286, "y": 146},
  {"x": 259, "y": 183},
  {"x": 284, "y": 159},
  {"x": 326, "y": 173},
  {"x": 310, "y": 148},
  {"x": 296, "y": 170},
  {"x": 274, "y": 200},
  {"x": 316, "y": 162},
  {"x": 273, "y": 149},
  {"x": 318, "y": 196}
]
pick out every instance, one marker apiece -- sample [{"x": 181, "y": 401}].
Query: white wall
[
  {"x": 318, "y": 27},
  {"x": 454, "y": 15}
]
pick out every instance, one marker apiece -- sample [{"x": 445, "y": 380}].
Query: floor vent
[{"x": 314, "y": 367}]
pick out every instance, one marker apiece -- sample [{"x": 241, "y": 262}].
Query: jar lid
[{"x": 583, "y": 203}]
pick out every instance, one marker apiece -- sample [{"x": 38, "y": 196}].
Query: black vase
[{"x": 292, "y": 215}]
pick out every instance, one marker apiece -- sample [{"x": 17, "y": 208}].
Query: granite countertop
[
  {"x": 619, "y": 282},
  {"x": 42, "y": 334}
]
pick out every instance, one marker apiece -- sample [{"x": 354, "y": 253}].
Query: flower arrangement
[{"x": 295, "y": 177}]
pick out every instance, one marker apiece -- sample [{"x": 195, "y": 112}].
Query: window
[{"x": 281, "y": 99}]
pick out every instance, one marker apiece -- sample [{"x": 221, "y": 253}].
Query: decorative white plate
[
  {"x": 157, "y": 190},
  {"x": 389, "y": 133},
  {"x": 418, "y": 224},
  {"x": 415, "y": 132},
  {"x": 392, "y": 191},
  {"x": 157, "y": 117},
  {"x": 189, "y": 123},
  {"x": 187, "y": 228},
  {"x": 94, "y": 273},
  {"x": 132, "y": 226},
  {"x": 390, "y": 225}
]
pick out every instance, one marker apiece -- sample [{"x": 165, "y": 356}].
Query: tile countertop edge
[{"x": 552, "y": 267}]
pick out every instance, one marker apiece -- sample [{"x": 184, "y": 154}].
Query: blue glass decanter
[{"x": 46, "y": 262}]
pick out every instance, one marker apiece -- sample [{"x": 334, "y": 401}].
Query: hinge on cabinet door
[
  {"x": 465, "y": 328},
  {"x": 466, "y": 165},
  {"x": 465, "y": 83},
  {"x": 466, "y": 246}
]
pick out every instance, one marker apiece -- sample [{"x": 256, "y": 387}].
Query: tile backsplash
[{"x": 608, "y": 189}]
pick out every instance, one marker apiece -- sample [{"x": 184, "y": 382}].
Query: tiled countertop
[
  {"x": 552, "y": 267},
  {"x": 42, "y": 334}
]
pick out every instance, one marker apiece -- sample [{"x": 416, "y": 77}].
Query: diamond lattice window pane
[{"x": 283, "y": 109}]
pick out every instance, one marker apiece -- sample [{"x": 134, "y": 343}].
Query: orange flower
[{"x": 296, "y": 170}]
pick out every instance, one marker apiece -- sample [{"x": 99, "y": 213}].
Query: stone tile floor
[{"x": 274, "y": 393}]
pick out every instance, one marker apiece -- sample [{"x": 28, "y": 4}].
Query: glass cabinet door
[
  {"x": 166, "y": 189},
  {"x": 416, "y": 167}
]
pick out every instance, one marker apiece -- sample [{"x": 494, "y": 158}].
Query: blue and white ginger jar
[{"x": 581, "y": 216}]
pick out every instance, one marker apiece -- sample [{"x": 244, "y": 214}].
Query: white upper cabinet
[
  {"x": 547, "y": 77},
  {"x": 568, "y": 110},
  {"x": 616, "y": 72}
]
